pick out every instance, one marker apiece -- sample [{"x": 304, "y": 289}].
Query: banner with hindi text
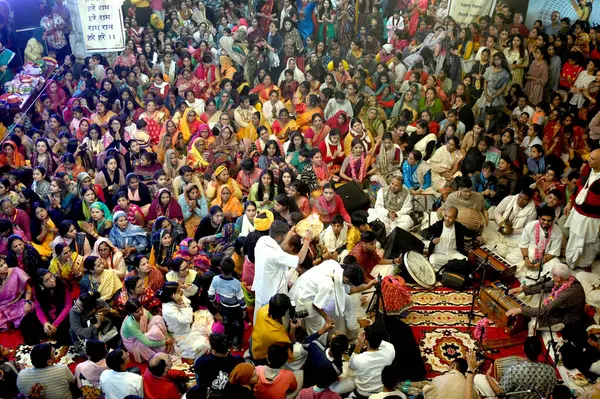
[{"x": 102, "y": 25}]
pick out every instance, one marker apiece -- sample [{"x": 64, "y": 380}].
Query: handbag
[
  {"x": 396, "y": 295},
  {"x": 455, "y": 274}
]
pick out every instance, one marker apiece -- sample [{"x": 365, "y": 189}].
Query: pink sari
[
  {"x": 12, "y": 300},
  {"x": 155, "y": 330}
]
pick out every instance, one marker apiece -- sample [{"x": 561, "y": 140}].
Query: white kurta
[
  {"x": 270, "y": 267},
  {"x": 445, "y": 250},
  {"x": 528, "y": 241},
  {"x": 403, "y": 219},
  {"x": 190, "y": 342}
]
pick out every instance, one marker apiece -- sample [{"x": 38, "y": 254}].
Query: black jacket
[{"x": 435, "y": 231}]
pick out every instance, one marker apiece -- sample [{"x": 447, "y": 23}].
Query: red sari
[
  {"x": 208, "y": 76},
  {"x": 568, "y": 75}
]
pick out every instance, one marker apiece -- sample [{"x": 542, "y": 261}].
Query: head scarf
[
  {"x": 196, "y": 156},
  {"x": 219, "y": 170},
  {"x": 80, "y": 178},
  {"x": 17, "y": 159},
  {"x": 59, "y": 99},
  {"x": 261, "y": 224},
  {"x": 157, "y": 22},
  {"x": 202, "y": 127},
  {"x": 226, "y": 63},
  {"x": 334, "y": 124},
  {"x": 107, "y": 215},
  {"x": 298, "y": 74},
  {"x": 200, "y": 260},
  {"x": 184, "y": 126},
  {"x": 168, "y": 167},
  {"x": 242, "y": 374}
]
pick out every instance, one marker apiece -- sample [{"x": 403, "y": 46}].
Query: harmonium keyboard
[
  {"x": 500, "y": 268},
  {"x": 494, "y": 303}
]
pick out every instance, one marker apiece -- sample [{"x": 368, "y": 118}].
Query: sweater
[
  {"x": 227, "y": 291},
  {"x": 591, "y": 205}
]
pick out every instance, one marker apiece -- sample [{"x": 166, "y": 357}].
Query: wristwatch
[{"x": 470, "y": 372}]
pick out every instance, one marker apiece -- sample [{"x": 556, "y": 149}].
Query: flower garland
[
  {"x": 541, "y": 248},
  {"x": 557, "y": 290},
  {"x": 481, "y": 329},
  {"x": 361, "y": 173}
]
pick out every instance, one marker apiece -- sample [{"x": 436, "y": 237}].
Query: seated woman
[
  {"x": 245, "y": 223},
  {"x": 357, "y": 165},
  {"x": 16, "y": 296},
  {"x": 87, "y": 374},
  {"x": 192, "y": 252},
  {"x": 193, "y": 207},
  {"x": 151, "y": 277},
  {"x": 444, "y": 163},
  {"x": 134, "y": 213},
  {"x": 317, "y": 131},
  {"x": 210, "y": 225},
  {"x": 137, "y": 192},
  {"x": 43, "y": 229},
  {"x": 53, "y": 301},
  {"x": 329, "y": 204},
  {"x": 98, "y": 278},
  {"x": 296, "y": 192},
  {"x": 82, "y": 207},
  {"x": 67, "y": 234},
  {"x": 187, "y": 278},
  {"x": 147, "y": 167},
  {"x": 163, "y": 248},
  {"x": 316, "y": 174},
  {"x": 264, "y": 191},
  {"x": 100, "y": 222},
  {"x": 144, "y": 335},
  {"x": 388, "y": 160},
  {"x": 135, "y": 288},
  {"x": 196, "y": 155},
  {"x": 230, "y": 205},
  {"x": 220, "y": 178},
  {"x": 333, "y": 150},
  {"x": 545, "y": 184},
  {"x": 507, "y": 180},
  {"x": 164, "y": 205},
  {"x": 271, "y": 157},
  {"x": 128, "y": 238},
  {"x": 284, "y": 207},
  {"x": 357, "y": 131},
  {"x": 110, "y": 178},
  {"x": 66, "y": 264},
  {"x": 24, "y": 256},
  {"x": 190, "y": 342}
]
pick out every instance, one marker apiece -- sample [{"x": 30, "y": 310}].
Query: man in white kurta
[
  {"x": 393, "y": 206},
  {"x": 540, "y": 237},
  {"x": 272, "y": 262}
]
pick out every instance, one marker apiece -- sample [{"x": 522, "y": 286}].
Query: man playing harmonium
[
  {"x": 563, "y": 307},
  {"x": 540, "y": 243}
]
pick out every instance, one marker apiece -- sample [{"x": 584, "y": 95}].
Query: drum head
[{"x": 420, "y": 269}]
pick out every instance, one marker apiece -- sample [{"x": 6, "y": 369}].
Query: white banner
[
  {"x": 467, "y": 11},
  {"x": 102, "y": 25},
  {"x": 542, "y": 9}
]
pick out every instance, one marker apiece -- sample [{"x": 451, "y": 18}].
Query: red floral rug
[{"x": 439, "y": 319}]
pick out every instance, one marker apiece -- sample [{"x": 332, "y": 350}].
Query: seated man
[
  {"x": 521, "y": 377},
  {"x": 334, "y": 238},
  {"x": 273, "y": 380},
  {"x": 564, "y": 307},
  {"x": 212, "y": 367},
  {"x": 56, "y": 380},
  {"x": 161, "y": 381},
  {"x": 447, "y": 239},
  {"x": 541, "y": 237},
  {"x": 371, "y": 262},
  {"x": 359, "y": 226},
  {"x": 470, "y": 205},
  {"x": 269, "y": 329},
  {"x": 511, "y": 216},
  {"x": 449, "y": 385},
  {"x": 369, "y": 364},
  {"x": 117, "y": 382},
  {"x": 393, "y": 205},
  {"x": 485, "y": 182},
  {"x": 390, "y": 377}
]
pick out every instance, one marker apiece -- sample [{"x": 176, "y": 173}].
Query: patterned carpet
[{"x": 439, "y": 320}]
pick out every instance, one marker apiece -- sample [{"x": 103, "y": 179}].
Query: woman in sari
[
  {"x": 357, "y": 165},
  {"x": 271, "y": 157},
  {"x": 388, "y": 160},
  {"x": 193, "y": 207},
  {"x": 432, "y": 104},
  {"x": 312, "y": 107},
  {"x": 229, "y": 204},
  {"x": 43, "y": 156},
  {"x": 189, "y": 123},
  {"x": 143, "y": 335},
  {"x": 225, "y": 147},
  {"x": 163, "y": 248},
  {"x": 127, "y": 237},
  {"x": 497, "y": 78},
  {"x": 134, "y": 213},
  {"x": 102, "y": 116},
  {"x": 98, "y": 278},
  {"x": 517, "y": 58},
  {"x": 264, "y": 89},
  {"x": 329, "y": 204},
  {"x": 204, "y": 132},
  {"x": 164, "y": 205},
  {"x": 191, "y": 252},
  {"x": 188, "y": 81},
  {"x": 409, "y": 102},
  {"x": 43, "y": 229},
  {"x": 173, "y": 162},
  {"x": 195, "y": 156},
  {"x": 373, "y": 121},
  {"x": 99, "y": 223},
  {"x": 11, "y": 156},
  {"x": 152, "y": 278},
  {"x": 60, "y": 198},
  {"x": 111, "y": 256},
  {"x": 209, "y": 75},
  {"x": 154, "y": 120},
  {"x": 444, "y": 163},
  {"x": 23, "y": 255},
  {"x": 77, "y": 241},
  {"x": 220, "y": 178},
  {"x": 316, "y": 174},
  {"x": 317, "y": 132},
  {"x": 137, "y": 192},
  {"x": 250, "y": 132},
  {"x": 66, "y": 264},
  {"x": 358, "y": 131},
  {"x": 16, "y": 296},
  {"x": 165, "y": 143},
  {"x": 284, "y": 125}
]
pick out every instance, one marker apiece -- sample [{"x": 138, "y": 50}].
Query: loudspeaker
[
  {"x": 400, "y": 241},
  {"x": 353, "y": 196}
]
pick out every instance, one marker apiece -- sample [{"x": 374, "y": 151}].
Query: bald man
[
  {"x": 583, "y": 211},
  {"x": 161, "y": 381},
  {"x": 566, "y": 308}
]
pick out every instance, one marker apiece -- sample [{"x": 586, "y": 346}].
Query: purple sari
[{"x": 12, "y": 300}]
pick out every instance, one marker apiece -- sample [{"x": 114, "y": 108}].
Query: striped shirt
[
  {"x": 55, "y": 380},
  {"x": 227, "y": 291}
]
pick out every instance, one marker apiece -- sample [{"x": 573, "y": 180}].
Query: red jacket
[
  {"x": 591, "y": 205},
  {"x": 162, "y": 387}
]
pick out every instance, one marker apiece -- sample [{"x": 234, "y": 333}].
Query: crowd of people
[{"x": 151, "y": 200}]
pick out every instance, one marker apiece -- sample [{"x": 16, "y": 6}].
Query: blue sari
[{"x": 306, "y": 24}]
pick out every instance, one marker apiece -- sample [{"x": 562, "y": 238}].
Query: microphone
[
  {"x": 472, "y": 275},
  {"x": 544, "y": 279},
  {"x": 546, "y": 233}
]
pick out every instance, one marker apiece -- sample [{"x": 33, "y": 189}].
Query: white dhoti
[
  {"x": 403, "y": 221},
  {"x": 583, "y": 244},
  {"x": 531, "y": 327},
  {"x": 439, "y": 260}
]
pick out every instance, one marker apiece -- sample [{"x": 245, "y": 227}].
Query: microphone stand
[
  {"x": 552, "y": 342},
  {"x": 541, "y": 266},
  {"x": 476, "y": 291}
]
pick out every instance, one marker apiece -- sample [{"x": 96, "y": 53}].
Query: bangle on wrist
[{"x": 471, "y": 372}]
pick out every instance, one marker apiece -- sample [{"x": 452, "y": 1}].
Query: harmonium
[
  {"x": 494, "y": 303},
  {"x": 499, "y": 268}
]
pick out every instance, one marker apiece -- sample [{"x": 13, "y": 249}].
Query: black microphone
[
  {"x": 472, "y": 275},
  {"x": 546, "y": 233}
]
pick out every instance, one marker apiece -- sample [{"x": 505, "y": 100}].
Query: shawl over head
[{"x": 263, "y": 224}]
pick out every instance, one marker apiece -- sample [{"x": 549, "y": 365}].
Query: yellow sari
[
  {"x": 44, "y": 248},
  {"x": 184, "y": 126}
]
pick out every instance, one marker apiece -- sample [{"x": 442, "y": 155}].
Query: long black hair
[
  {"x": 261, "y": 188},
  {"x": 48, "y": 297}
]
